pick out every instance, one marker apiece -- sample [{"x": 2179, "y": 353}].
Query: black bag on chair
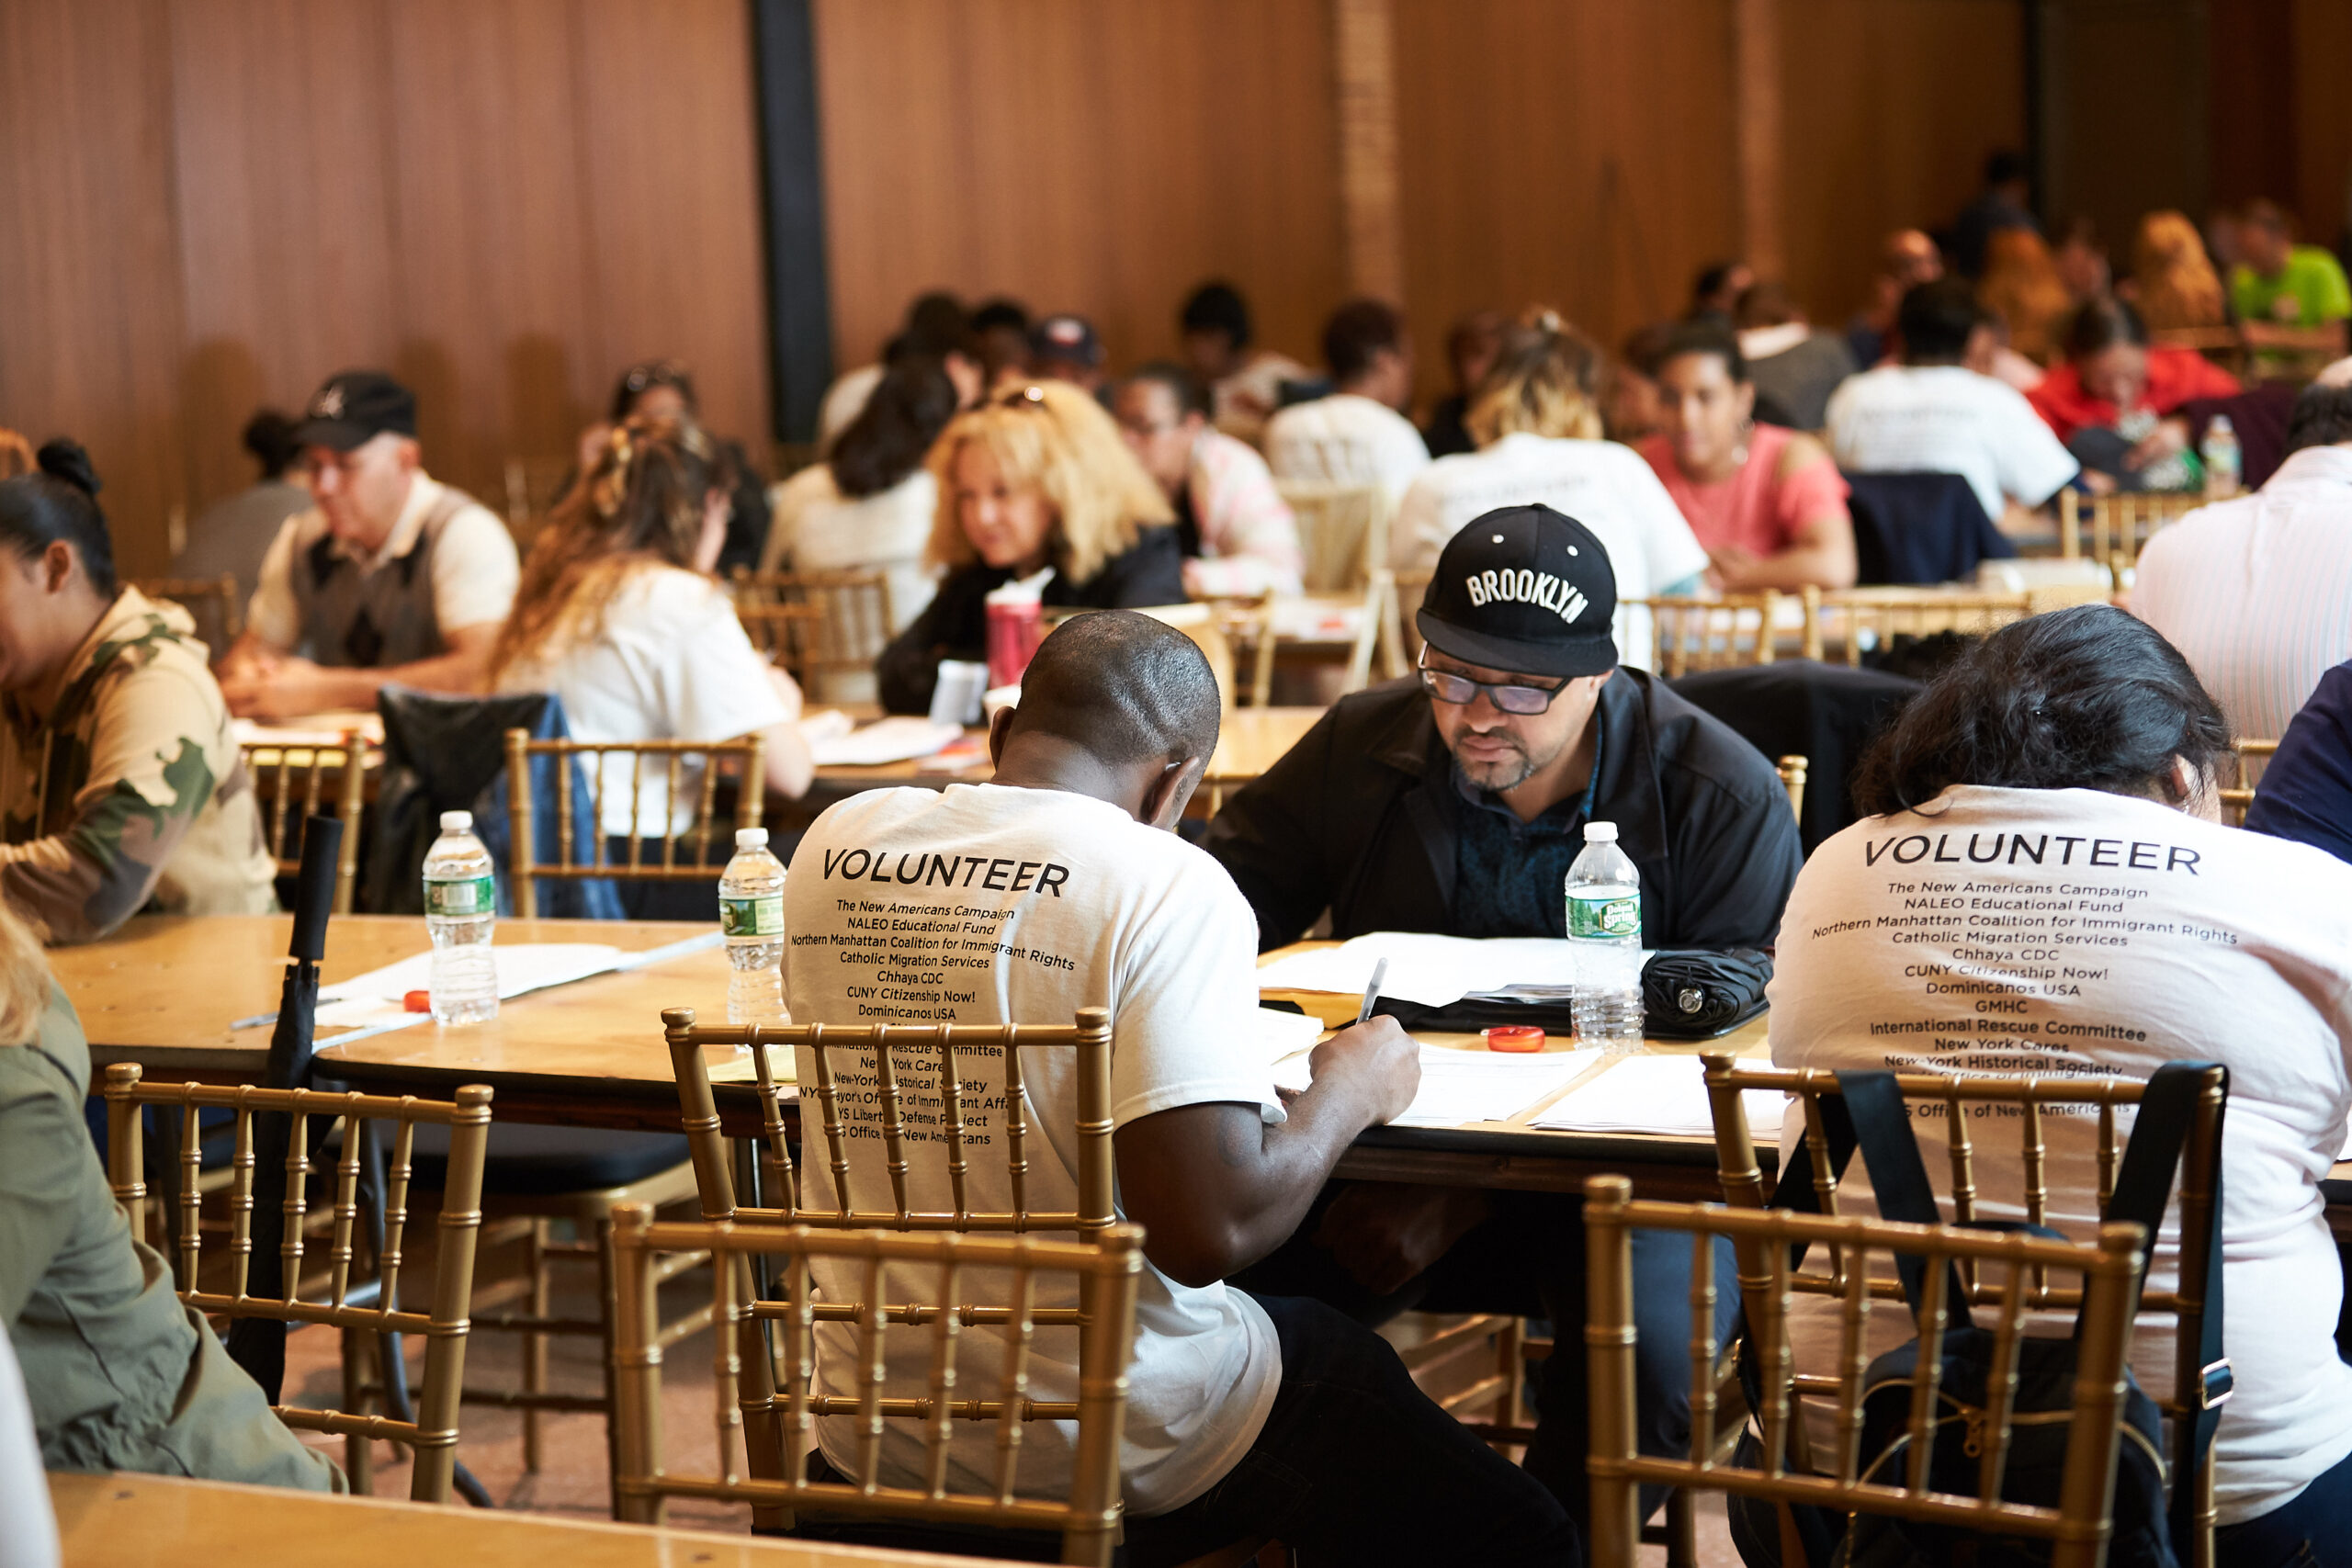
[{"x": 1871, "y": 1114}]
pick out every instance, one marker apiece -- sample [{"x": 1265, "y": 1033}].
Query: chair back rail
[
  {"x": 1342, "y": 530},
  {"x": 2076, "y": 1528},
  {"x": 871, "y": 1047},
  {"x": 2036, "y": 1099},
  {"x": 1850, "y": 616},
  {"x": 1733, "y": 632},
  {"x": 816, "y": 624},
  {"x": 757, "y": 1418},
  {"x": 2253, "y": 756},
  {"x": 747, "y": 754},
  {"x": 293, "y": 784},
  {"x": 2118, "y": 526},
  {"x": 433, "y": 1434}
]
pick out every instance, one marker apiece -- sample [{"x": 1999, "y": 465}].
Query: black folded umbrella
[
  {"x": 1690, "y": 994},
  {"x": 258, "y": 1345}
]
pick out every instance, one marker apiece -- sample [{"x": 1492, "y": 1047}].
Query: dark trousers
[
  {"x": 1528, "y": 1260},
  {"x": 2312, "y": 1532},
  {"x": 1354, "y": 1465}
]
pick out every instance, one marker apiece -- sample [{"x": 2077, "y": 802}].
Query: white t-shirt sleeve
[
  {"x": 2030, "y": 460},
  {"x": 1184, "y": 1023},
  {"x": 713, "y": 684},
  {"x": 1674, "y": 551},
  {"x": 475, "y": 569},
  {"x": 273, "y": 617}
]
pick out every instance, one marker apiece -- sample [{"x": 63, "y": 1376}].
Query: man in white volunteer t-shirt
[
  {"x": 1057, "y": 887},
  {"x": 2043, "y": 887}
]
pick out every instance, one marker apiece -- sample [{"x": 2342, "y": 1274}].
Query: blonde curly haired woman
[
  {"x": 1536, "y": 418},
  {"x": 2173, "y": 282},
  {"x": 1037, "y": 477},
  {"x": 618, "y": 613}
]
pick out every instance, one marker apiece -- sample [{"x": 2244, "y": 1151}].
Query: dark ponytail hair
[
  {"x": 2085, "y": 698},
  {"x": 59, "y": 501},
  {"x": 892, "y": 434}
]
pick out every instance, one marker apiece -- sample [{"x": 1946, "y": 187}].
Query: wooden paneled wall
[
  {"x": 209, "y": 205},
  {"x": 1079, "y": 156}
]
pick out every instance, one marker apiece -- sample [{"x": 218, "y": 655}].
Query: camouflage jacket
[{"x": 129, "y": 794}]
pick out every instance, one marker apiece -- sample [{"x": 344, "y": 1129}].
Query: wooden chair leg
[
  {"x": 535, "y": 1344},
  {"x": 608, "y": 1299},
  {"x": 1682, "y": 1529},
  {"x": 359, "y": 1451}
]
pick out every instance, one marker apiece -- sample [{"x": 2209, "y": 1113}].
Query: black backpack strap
[
  {"x": 1899, "y": 1182},
  {"x": 2144, "y": 1187}
]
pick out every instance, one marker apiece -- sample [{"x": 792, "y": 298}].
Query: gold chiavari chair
[
  {"x": 878, "y": 1054},
  {"x": 292, "y": 781},
  {"x": 533, "y": 487},
  {"x": 2238, "y": 797},
  {"x": 1342, "y": 530},
  {"x": 1792, "y": 770},
  {"x": 2120, "y": 526},
  {"x": 672, "y": 759},
  {"x": 1730, "y": 633},
  {"x": 1400, "y": 636},
  {"x": 354, "y": 1303},
  {"x": 844, "y": 624},
  {"x": 750, "y": 1415},
  {"x": 2076, "y": 1530},
  {"x": 1879, "y": 615},
  {"x": 212, "y": 601},
  {"x": 2035, "y": 1099}
]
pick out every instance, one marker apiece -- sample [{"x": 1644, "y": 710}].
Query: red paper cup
[{"x": 1517, "y": 1037}]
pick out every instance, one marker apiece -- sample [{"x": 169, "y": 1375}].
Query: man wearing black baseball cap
[
  {"x": 388, "y": 576},
  {"x": 1455, "y": 803}
]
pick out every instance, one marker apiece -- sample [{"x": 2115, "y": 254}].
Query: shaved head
[{"x": 1123, "y": 687}]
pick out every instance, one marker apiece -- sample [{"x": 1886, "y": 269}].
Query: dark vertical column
[{"x": 799, "y": 299}]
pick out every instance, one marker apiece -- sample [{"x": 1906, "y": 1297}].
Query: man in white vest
[{"x": 387, "y": 577}]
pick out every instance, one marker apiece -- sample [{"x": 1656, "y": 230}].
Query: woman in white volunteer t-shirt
[
  {"x": 2043, "y": 886},
  {"x": 1536, "y": 418},
  {"x": 618, "y": 615}
]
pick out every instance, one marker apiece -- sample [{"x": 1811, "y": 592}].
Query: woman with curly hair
[
  {"x": 618, "y": 613},
  {"x": 1036, "y": 479}
]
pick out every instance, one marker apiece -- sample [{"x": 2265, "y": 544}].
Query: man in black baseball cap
[
  {"x": 388, "y": 576},
  {"x": 1067, "y": 348},
  {"x": 1454, "y": 803}
]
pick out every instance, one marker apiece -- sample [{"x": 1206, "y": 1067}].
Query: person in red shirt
[{"x": 2113, "y": 402}]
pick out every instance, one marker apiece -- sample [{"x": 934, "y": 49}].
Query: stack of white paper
[
  {"x": 1656, "y": 1094},
  {"x": 1434, "y": 971},
  {"x": 897, "y": 740},
  {"x": 1285, "y": 1035},
  {"x": 1471, "y": 1086}
]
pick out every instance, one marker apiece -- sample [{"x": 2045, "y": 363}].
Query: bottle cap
[
  {"x": 751, "y": 837},
  {"x": 1600, "y": 832},
  {"x": 2221, "y": 421},
  {"x": 456, "y": 821}
]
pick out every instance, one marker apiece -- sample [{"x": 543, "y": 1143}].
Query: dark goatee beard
[{"x": 1499, "y": 777}]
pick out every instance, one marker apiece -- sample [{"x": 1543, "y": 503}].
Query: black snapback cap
[
  {"x": 1527, "y": 590},
  {"x": 1065, "y": 339},
  {"x": 355, "y": 407}
]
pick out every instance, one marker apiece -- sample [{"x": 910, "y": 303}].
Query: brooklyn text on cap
[
  {"x": 1525, "y": 590},
  {"x": 356, "y": 406}
]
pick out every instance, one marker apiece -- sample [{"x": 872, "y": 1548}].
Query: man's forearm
[{"x": 1291, "y": 1164}]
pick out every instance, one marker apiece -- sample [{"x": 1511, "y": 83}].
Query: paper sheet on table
[
  {"x": 896, "y": 740},
  {"x": 1656, "y": 1094},
  {"x": 1470, "y": 1086},
  {"x": 825, "y": 724},
  {"x": 1431, "y": 970},
  {"x": 523, "y": 966}
]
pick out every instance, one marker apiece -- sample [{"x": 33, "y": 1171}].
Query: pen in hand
[{"x": 1372, "y": 991}]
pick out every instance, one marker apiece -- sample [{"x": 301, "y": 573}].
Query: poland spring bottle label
[
  {"x": 462, "y": 897},
  {"x": 1616, "y": 914},
  {"x": 759, "y": 915}
]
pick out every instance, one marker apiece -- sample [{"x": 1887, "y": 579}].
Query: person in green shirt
[
  {"x": 119, "y": 1374},
  {"x": 2286, "y": 295}
]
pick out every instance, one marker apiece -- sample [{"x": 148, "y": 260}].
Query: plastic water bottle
[
  {"x": 461, "y": 911},
  {"x": 750, "y": 916},
  {"x": 2224, "y": 463},
  {"x": 1604, "y": 894}
]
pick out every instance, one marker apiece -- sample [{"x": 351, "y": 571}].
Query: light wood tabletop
[
  {"x": 163, "y": 990},
  {"x": 108, "y": 1521},
  {"x": 1251, "y": 741}
]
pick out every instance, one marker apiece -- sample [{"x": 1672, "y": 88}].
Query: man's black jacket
[{"x": 1351, "y": 819}]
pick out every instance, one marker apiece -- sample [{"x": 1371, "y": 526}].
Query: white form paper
[
  {"x": 896, "y": 740},
  {"x": 1656, "y": 1094},
  {"x": 1471, "y": 1086},
  {"x": 1431, "y": 970}
]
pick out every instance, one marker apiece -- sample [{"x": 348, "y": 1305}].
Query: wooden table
[
  {"x": 113, "y": 1521},
  {"x": 1253, "y": 739}
]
